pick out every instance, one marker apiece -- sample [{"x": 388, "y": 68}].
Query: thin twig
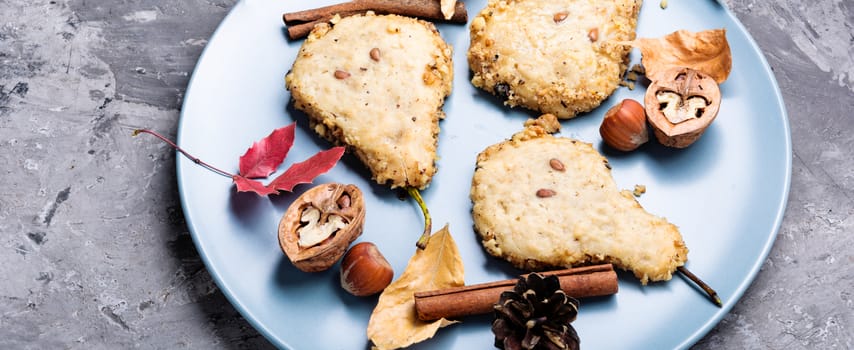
[
  {"x": 179, "y": 149},
  {"x": 428, "y": 222},
  {"x": 709, "y": 291}
]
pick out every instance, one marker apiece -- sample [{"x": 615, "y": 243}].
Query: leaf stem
[
  {"x": 713, "y": 296},
  {"x": 179, "y": 149},
  {"x": 428, "y": 222}
]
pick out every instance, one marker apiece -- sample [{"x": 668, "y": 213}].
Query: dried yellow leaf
[
  {"x": 393, "y": 323},
  {"x": 447, "y": 7},
  {"x": 706, "y": 51}
]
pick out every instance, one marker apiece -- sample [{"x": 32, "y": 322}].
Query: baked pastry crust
[
  {"x": 586, "y": 220},
  {"x": 541, "y": 55},
  {"x": 385, "y": 107}
]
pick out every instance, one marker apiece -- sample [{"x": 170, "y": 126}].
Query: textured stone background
[{"x": 94, "y": 251}]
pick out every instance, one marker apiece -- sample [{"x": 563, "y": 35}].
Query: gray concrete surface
[{"x": 95, "y": 253}]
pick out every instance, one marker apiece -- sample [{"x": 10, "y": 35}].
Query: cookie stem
[
  {"x": 713, "y": 296},
  {"x": 428, "y": 222}
]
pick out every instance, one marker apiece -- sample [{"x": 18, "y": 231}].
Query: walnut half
[
  {"x": 319, "y": 226},
  {"x": 680, "y": 104}
]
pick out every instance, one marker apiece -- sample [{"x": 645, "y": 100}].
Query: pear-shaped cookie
[
  {"x": 541, "y": 201},
  {"x": 376, "y": 84},
  {"x": 554, "y": 56}
]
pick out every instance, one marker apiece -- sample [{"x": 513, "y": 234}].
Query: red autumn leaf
[
  {"x": 266, "y": 155},
  {"x": 248, "y": 185},
  {"x": 263, "y": 158},
  {"x": 305, "y": 172}
]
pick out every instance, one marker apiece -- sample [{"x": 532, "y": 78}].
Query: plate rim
[{"x": 781, "y": 208}]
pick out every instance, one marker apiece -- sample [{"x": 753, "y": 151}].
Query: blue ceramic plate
[{"x": 727, "y": 192}]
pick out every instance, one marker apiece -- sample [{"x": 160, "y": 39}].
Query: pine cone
[{"x": 535, "y": 315}]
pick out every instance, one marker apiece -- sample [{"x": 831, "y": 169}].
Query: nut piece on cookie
[{"x": 377, "y": 84}]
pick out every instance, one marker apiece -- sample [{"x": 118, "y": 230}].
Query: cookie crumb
[{"x": 639, "y": 190}]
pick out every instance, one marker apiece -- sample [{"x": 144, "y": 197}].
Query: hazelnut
[
  {"x": 318, "y": 226},
  {"x": 680, "y": 104},
  {"x": 624, "y": 126},
  {"x": 364, "y": 270}
]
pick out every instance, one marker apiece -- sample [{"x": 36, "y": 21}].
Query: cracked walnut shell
[
  {"x": 680, "y": 104},
  {"x": 319, "y": 226}
]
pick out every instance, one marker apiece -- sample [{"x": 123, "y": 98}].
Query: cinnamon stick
[
  {"x": 301, "y": 30},
  {"x": 590, "y": 281},
  {"x": 301, "y": 23}
]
